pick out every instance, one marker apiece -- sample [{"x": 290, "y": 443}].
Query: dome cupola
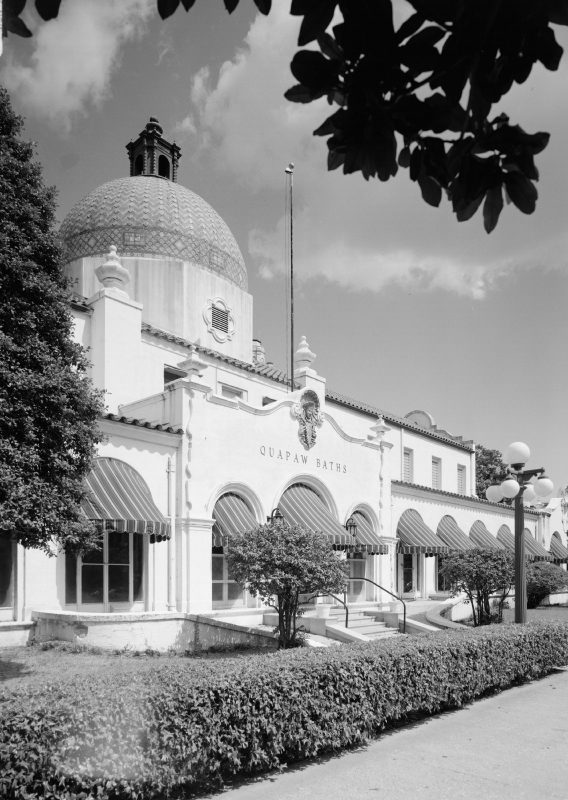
[
  {"x": 150, "y": 215},
  {"x": 151, "y": 154}
]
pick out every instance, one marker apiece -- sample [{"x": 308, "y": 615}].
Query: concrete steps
[{"x": 363, "y": 622}]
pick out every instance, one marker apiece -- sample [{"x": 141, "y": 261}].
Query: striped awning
[
  {"x": 119, "y": 499},
  {"x": 300, "y": 505},
  {"x": 367, "y": 540},
  {"x": 416, "y": 537},
  {"x": 507, "y": 539},
  {"x": 557, "y": 550},
  {"x": 231, "y": 515},
  {"x": 481, "y": 537},
  {"x": 453, "y": 536},
  {"x": 535, "y": 549}
]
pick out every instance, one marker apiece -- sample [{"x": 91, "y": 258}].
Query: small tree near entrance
[
  {"x": 280, "y": 562},
  {"x": 480, "y": 574}
]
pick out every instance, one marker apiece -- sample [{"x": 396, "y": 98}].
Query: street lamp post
[{"x": 516, "y": 485}]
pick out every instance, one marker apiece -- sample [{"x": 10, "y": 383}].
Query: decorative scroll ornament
[{"x": 307, "y": 411}]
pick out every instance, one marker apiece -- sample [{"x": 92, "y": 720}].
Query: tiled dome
[{"x": 152, "y": 216}]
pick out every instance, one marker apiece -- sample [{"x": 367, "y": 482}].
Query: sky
[{"x": 405, "y": 307}]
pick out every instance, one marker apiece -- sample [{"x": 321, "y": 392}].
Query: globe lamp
[
  {"x": 543, "y": 486},
  {"x": 517, "y": 453},
  {"x": 510, "y": 487},
  {"x": 529, "y": 494},
  {"x": 493, "y": 492}
]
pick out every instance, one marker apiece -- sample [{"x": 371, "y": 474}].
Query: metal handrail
[
  {"x": 391, "y": 594},
  {"x": 327, "y": 594}
]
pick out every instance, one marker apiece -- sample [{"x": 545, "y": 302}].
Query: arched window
[
  {"x": 231, "y": 514},
  {"x": 139, "y": 165},
  {"x": 119, "y": 501},
  {"x": 163, "y": 167}
]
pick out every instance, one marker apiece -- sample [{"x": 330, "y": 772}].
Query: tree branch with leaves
[{"x": 419, "y": 97}]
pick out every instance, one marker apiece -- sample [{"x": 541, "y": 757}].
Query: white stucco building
[{"x": 203, "y": 435}]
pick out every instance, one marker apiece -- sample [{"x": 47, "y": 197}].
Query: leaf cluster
[
  {"x": 278, "y": 560},
  {"x": 48, "y": 409},
  {"x": 543, "y": 579},
  {"x": 182, "y": 728},
  {"x": 419, "y": 97},
  {"x": 487, "y": 464},
  {"x": 430, "y": 87},
  {"x": 480, "y": 574}
]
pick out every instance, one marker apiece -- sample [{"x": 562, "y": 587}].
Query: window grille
[{"x": 220, "y": 319}]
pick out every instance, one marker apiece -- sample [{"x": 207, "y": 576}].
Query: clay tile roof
[
  {"x": 141, "y": 423},
  {"x": 462, "y": 497}
]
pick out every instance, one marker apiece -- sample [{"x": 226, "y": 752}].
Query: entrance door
[
  {"x": 356, "y": 592},
  {"x": 407, "y": 574},
  {"x": 442, "y": 584}
]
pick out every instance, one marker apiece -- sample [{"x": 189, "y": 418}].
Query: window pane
[
  {"x": 6, "y": 589},
  {"x": 137, "y": 566},
  {"x": 356, "y": 569},
  {"x": 217, "y": 591},
  {"x": 94, "y": 556},
  {"x": 235, "y": 591},
  {"x": 92, "y": 583},
  {"x": 70, "y": 578},
  {"x": 217, "y": 568},
  {"x": 119, "y": 548},
  {"x": 118, "y": 579}
]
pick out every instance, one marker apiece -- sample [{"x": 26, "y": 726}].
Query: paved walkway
[{"x": 511, "y": 746}]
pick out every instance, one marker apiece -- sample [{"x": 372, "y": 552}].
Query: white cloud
[
  {"x": 362, "y": 235},
  {"x": 74, "y": 57},
  {"x": 186, "y": 127}
]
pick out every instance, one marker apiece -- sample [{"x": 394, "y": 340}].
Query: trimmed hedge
[{"x": 186, "y": 726}]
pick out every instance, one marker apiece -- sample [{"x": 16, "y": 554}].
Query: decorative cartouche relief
[{"x": 307, "y": 412}]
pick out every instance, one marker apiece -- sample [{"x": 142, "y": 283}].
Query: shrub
[
  {"x": 186, "y": 726},
  {"x": 279, "y": 562},
  {"x": 480, "y": 574},
  {"x": 544, "y": 579}
]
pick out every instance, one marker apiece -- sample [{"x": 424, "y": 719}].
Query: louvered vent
[
  {"x": 461, "y": 479},
  {"x": 220, "y": 319},
  {"x": 436, "y": 473}
]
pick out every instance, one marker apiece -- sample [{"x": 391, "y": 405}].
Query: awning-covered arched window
[{"x": 119, "y": 499}]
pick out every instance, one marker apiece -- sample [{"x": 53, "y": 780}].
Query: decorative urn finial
[
  {"x": 304, "y": 357},
  {"x": 112, "y": 274}
]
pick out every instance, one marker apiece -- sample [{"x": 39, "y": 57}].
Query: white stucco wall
[{"x": 174, "y": 295}]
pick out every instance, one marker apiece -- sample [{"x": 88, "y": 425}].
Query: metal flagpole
[{"x": 290, "y": 171}]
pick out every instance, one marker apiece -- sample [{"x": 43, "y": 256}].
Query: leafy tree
[
  {"x": 419, "y": 97},
  {"x": 48, "y": 410},
  {"x": 544, "y": 579},
  {"x": 487, "y": 463},
  {"x": 480, "y": 574},
  {"x": 279, "y": 562}
]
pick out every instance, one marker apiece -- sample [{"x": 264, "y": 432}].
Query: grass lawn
[{"x": 33, "y": 666}]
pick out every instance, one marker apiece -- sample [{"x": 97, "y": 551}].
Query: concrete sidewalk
[{"x": 509, "y": 746}]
